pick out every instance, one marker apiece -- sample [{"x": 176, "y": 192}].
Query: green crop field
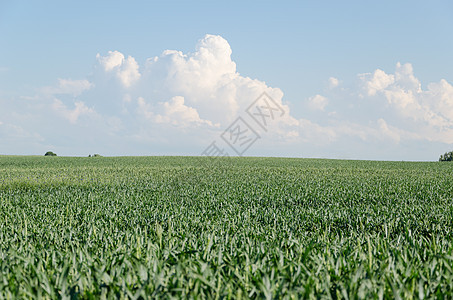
[{"x": 188, "y": 227}]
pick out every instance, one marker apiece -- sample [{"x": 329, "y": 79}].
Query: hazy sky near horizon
[{"x": 352, "y": 79}]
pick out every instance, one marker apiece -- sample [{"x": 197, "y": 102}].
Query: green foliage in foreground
[{"x": 242, "y": 228}]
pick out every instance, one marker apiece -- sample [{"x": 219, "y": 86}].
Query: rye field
[{"x": 190, "y": 227}]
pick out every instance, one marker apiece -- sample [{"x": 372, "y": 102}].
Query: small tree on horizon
[
  {"x": 50, "y": 153},
  {"x": 448, "y": 156}
]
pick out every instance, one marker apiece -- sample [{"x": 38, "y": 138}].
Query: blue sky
[{"x": 357, "y": 79}]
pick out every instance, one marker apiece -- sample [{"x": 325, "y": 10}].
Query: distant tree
[
  {"x": 97, "y": 155},
  {"x": 50, "y": 153},
  {"x": 447, "y": 156}
]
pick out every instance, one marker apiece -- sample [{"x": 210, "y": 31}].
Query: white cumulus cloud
[
  {"x": 173, "y": 112},
  {"x": 333, "y": 82},
  {"x": 69, "y": 86},
  {"x": 72, "y": 114},
  {"x": 429, "y": 112},
  {"x": 205, "y": 84},
  {"x": 318, "y": 102},
  {"x": 394, "y": 109},
  {"x": 125, "y": 69},
  {"x": 378, "y": 81},
  {"x": 176, "y": 113}
]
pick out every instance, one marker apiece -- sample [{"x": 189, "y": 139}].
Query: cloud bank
[
  {"x": 388, "y": 110},
  {"x": 177, "y": 103}
]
